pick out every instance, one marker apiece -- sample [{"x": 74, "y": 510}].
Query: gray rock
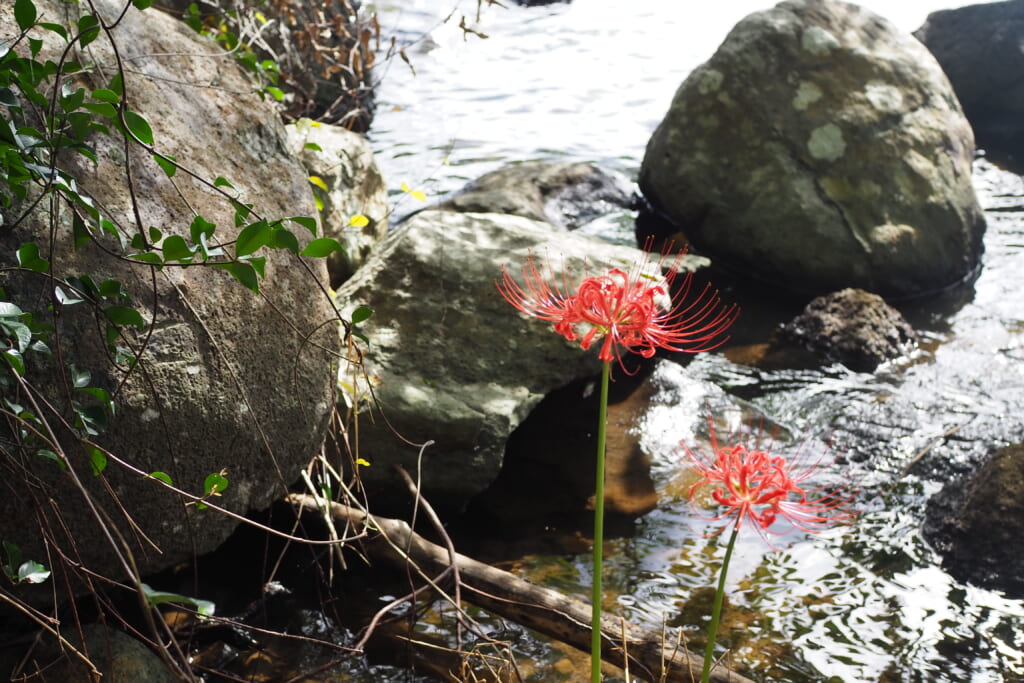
[
  {"x": 978, "y": 47},
  {"x": 976, "y": 523},
  {"x": 565, "y": 194},
  {"x": 451, "y": 360},
  {"x": 345, "y": 163},
  {"x": 821, "y": 148},
  {"x": 852, "y": 327},
  {"x": 226, "y": 379}
]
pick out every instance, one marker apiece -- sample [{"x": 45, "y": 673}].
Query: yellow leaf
[
  {"x": 417, "y": 194},
  {"x": 364, "y": 463},
  {"x": 359, "y": 221},
  {"x": 319, "y": 182},
  {"x": 315, "y": 124},
  {"x": 259, "y": 17}
]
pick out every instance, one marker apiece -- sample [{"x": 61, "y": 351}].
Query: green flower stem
[
  {"x": 716, "y": 609},
  {"x": 595, "y": 621}
]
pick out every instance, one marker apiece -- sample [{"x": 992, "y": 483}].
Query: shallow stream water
[{"x": 590, "y": 80}]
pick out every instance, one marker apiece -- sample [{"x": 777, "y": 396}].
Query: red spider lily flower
[
  {"x": 752, "y": 484},
  {"x": 637, "y": 311}
]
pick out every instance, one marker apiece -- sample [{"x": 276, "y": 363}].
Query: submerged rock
[
  {"x": 976, "y": 523},
  {"x": 565, "y": 194},
  {"x": 451, "y": 360},
  {"x": 978, "y": 47},
  {"x": 852, "y": 327},
  {"x": 821, "y": 148}
]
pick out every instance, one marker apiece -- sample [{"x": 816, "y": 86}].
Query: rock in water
[
  {"x": 978, "y": 47},
  {"x": 977, "y": 524},
  {"x": 852, "y": 327},
  {"x": 821, "y": 148}
]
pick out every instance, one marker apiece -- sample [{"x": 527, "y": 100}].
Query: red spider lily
[
  {"x": 635, "y": 311},
  {"x": 752, "y": 484}
]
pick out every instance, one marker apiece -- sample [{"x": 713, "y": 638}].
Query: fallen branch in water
[{"x": 541, "y": 609}]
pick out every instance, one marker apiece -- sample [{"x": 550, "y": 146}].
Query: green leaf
[
  {"x": 285, "y": 239},
  {"x": 166, "y": 162},
  {"x": 242, "y": 272},
  {"x": 259, "y": 263},
  {"x": 112, "y": 289},
  {"x": 71, "y": 99},
  {"x": 214, "y": 484},
  {"x": 105, "y": 95},
  {"x": 64, "y": 298},
  {"x": 252, "y": 237},
  {"x": 148, "y": 257},
  {"x": 361, "y": 314},
  {"x": 125, "y": 315},
  {"x": 154, "y": 597},
  {"x": 9, "y": 310},
  {"x": 32, "y": 572},
  {"x": 242, "y": 212},
  {"x": 139, "y": 127},
  {"x": 15, "y": 361},
  {"x": 200, "y": 227},
  {"x": 79, "y": 377},
  {"x": 142, "y": 4},
  {"x": 313, "y": 146},
  {"x": 117, "y": 84},
  {"x": 88, "y": 29},
  {"x": 98, "y": 461},
  {"x": 28, "y": 257},
  {"x": 104, "y": 109},
  {"x": 221, "y": 181},
  {"x": 13, "y": 554},
  {"x": 25, "y": 14},
  {"x": 322, "y": 247},
  {"x": 276, "y": 93},
  {"x": 50, "y": 455},
  {"x": 8, "y": 98},
  {"x": 56, "y": 28},
  {"x": 176, "y": 249},
  {"x": 162, "y": 476},
  {"x": 308, "y": 222}
]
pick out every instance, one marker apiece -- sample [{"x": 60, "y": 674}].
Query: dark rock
[
  {"x": 821, "y": 148},
  {"x": 852, "y": 327},
  {"x": 976, "y": 523},
  {"x": 565, "y": 194},
  {"x": 978, "y": 47},
  {"x": 117, "y": 656}
]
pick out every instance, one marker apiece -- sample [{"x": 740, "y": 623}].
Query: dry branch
[{"x": 541, "y": 609}]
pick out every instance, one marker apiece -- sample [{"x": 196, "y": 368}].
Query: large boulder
[
  {"x": 342, "y": 162},
  {"x": 978, "y": 47},
  {"x": 976, "y": 523},
  {"x": 218, "y": 378},
  {"x": 450, "y": 360},
  {"x": 821, "y": 148}
]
